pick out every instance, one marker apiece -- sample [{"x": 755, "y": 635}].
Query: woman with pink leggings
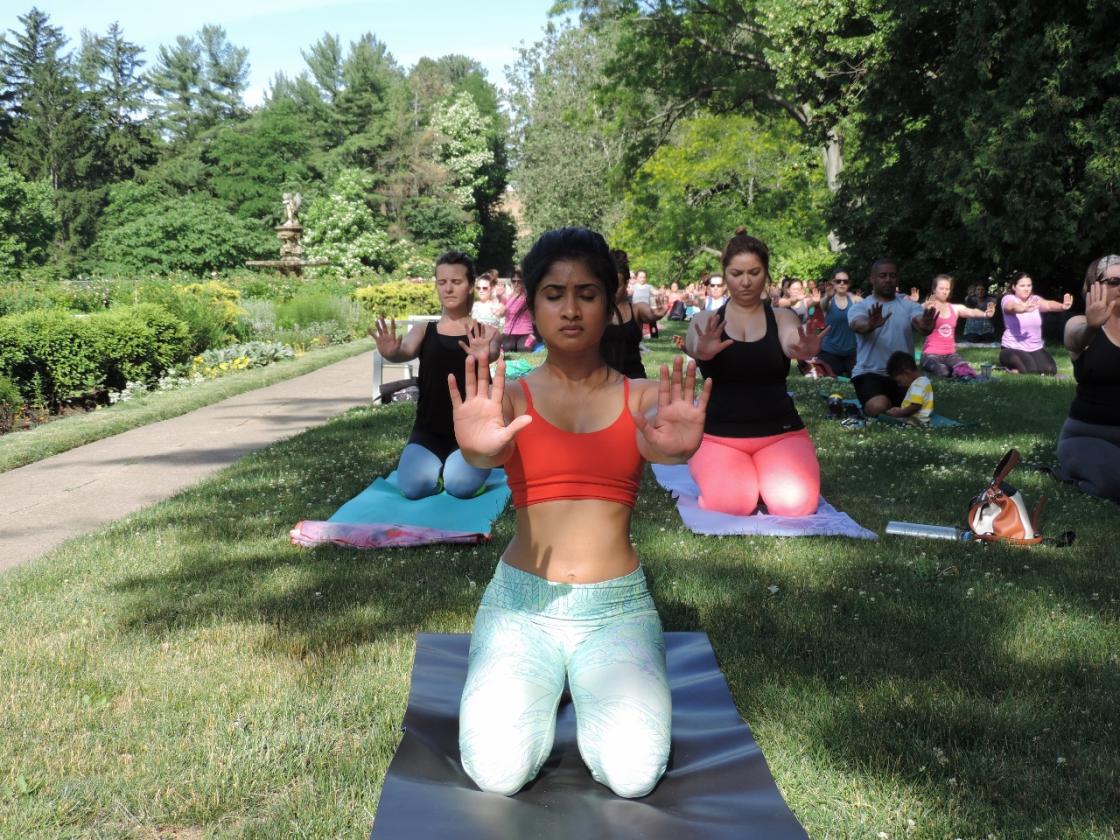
[{"x": 755, "y": 445}]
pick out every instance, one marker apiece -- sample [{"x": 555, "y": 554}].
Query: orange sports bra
[{"x": 550, "y": 464}]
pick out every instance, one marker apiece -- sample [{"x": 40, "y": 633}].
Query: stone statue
[{"x": 291, "y": 207}]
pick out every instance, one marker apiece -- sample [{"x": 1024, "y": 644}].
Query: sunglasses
[
  {"x": 1111, "y": 282},
  {"x": 483, "y": 288},
  {"x": 843, "y": 280}
]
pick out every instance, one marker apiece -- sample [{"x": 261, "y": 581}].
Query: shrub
[
  {"x": 307, "y": 309},
  {"x": 239, "y": 357},
  {"x": 399, "y": 298},
  {"x": 52, "y": 355},
  {"x": 209, "y": 310},
  {"x": 10, "y": 404}
]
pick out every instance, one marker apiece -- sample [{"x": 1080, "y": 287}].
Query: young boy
[{"x": 917, "y": 405}]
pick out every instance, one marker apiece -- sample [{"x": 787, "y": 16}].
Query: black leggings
[{"x": 1027, "y": 361}]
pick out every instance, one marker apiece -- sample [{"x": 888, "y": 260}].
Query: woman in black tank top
[
  {"x": 622, "y": 339},
  {"x": 756, "y": 448},
  {"x": 1089, "y": 445},
  {"x": 442, "y": 347}
]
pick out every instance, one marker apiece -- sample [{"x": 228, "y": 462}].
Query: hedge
[
  {"x": 399, "y": 298},
  {"x": 52, "y": 356}
]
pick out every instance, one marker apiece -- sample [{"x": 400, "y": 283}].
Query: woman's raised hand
[
  {"x": 1097, "y": 308},
  {"x": 676, "y": 429},
  {"x": 1067, "y": 299},
  {"x": 385, "y": 334},
  {"x": 479, "y": 336},
  {"x": 808, "y": 342},
  {"x": 480, "y": 426},
  {"x": 708, "y": 341}
]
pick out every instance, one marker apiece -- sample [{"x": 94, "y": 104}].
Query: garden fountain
[{"x": 289, "y": 232}]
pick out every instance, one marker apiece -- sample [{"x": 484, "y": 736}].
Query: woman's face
[
  {"x": 841, "y": 284},
  {"x": 941, "y": 290},
  {"x": 482, "y": 289},
  {"x": 796, "y": 290},
  {"x": 1112, "y": 292},
  {"x": 746, "y": 278},
  {"x": 452, "y": 286},
  {"x": 570, "y": 307},
  {"x": 1023, "y": 288}
]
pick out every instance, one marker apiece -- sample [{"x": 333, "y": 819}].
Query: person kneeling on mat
[
  {"x": 569, "y": 597},
  {"x": 755, "y": 443},
  {"x": 442, "y": 347}
]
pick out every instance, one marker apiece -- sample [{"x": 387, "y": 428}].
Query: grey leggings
[
  {"x": 943, "y": 364},
  {"x": 1089, "y": 456}
]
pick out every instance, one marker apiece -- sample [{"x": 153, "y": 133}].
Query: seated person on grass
[
  {"x": 442, "y": 347},
  {"x": 917, "y": 404},
  {"x": 884, "y": 324}
]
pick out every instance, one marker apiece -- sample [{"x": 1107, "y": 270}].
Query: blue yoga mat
[{"x": 383, "y": 502}]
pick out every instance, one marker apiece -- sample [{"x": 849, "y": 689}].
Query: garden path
[{"x": 45, "y": 503}]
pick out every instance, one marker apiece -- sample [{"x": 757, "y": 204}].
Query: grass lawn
[
  {"x": 188, "y": 673},
  {"x": 26, "y": 447}
]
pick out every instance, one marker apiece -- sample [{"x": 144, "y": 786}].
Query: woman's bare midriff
[{"x": 573, "y": 541}]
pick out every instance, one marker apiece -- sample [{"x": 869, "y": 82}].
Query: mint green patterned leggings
[{"x": 606, "y": 639}]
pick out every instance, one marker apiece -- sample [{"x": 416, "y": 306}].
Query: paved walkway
[{"x": 67, "y": 495}]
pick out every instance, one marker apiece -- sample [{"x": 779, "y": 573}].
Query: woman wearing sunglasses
[
  {"x": 838, "y": 348},
  {"x": 1089, "y": 445}
]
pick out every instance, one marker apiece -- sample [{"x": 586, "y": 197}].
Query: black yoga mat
[{"x": 717, "y": 784}]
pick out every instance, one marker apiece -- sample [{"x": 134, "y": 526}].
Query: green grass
[
  {"x": 186, "y": 672},
  {"x": 26, "y": 447}
]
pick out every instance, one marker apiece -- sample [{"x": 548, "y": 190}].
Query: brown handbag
[{"x": 999, "y": 513}]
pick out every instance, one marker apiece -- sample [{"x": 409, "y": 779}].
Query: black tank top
[
  {"x": 620, "y": 348},
  {"x": 1097, "y": 372},
  {"x": 749, "y": 397},
  {"x": 439, "y": 355}
]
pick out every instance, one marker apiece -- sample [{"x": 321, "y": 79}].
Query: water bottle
[{"x": 933, "y": 532}]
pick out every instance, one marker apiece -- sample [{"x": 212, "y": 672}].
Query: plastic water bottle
[{"x": 933, "y": 532}]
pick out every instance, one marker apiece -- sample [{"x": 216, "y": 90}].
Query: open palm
[
  {"x": 676, "y": 429},
  {"x": 480, "y": 426},
  {"x": 709, "y": 341}
]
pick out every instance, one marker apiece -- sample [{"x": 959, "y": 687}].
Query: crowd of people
[{"x": 568, "y": 601}]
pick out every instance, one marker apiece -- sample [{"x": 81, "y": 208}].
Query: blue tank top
[{"x": 840, "y": 341}]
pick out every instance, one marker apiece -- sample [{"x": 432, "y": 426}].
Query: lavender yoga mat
[{"x": 826, "y": 522}]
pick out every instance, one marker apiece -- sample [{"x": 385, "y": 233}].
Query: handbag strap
[{"x": 1005, "y": 466}]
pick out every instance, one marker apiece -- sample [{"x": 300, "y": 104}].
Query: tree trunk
[{"x": 833, "y": 165}]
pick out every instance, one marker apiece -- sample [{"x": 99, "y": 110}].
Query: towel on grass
[
  {"x": 852, "y": 408},
  {"x": 826, "y": 522},
  {"x": 717, "y": 785},
  {"x": 380, "y": 517}
]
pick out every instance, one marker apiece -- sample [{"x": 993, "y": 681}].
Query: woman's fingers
[
  {"x": 484, "y": 374},
  {"x": 472, "y": 376},
  {"x": 676, "y": 380},
  {"x": 453, "y": 386},
  {"x": 498, "y": 389},
  {"x": 690, "y": 382},
  {"x": 663, "y": 388},
  {"x": 705, "y": 395}
]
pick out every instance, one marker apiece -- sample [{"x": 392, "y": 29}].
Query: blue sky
[{"x": 274, "y": 31}]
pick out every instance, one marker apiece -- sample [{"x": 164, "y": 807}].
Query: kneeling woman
[
  {"x": 569, "y": 598},
  {"x": 442, "y": 347},
  {"x": 755, "y": 444},
  {"x": 1089, "y": 446},
  {"x": 1023, "y": 350}
]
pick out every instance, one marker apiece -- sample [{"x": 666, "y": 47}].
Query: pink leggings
[{"x": 732, "y": 473}]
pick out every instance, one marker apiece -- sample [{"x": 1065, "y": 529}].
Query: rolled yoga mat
[{"x": 717, "y": 787}]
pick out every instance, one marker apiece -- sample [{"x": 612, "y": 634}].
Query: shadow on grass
[{"x": 947, "y": 683}]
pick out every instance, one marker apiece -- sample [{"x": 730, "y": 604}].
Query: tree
[
  {"x": 567, "y": 146},
  {"x": 28, "y": 220},
  {"x": 714, "y": 174},
  {"x": 344, "y": 228},
  {"x": 371, "y": 79},
  {"x": 199, "y": 83},
  {"x": 249, "y": 165},
  {"x": 182, "y": 233}
]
